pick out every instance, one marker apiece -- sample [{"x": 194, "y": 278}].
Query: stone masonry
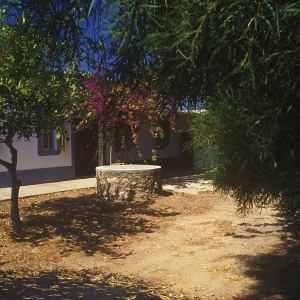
[{"x": 128, "y": 185}]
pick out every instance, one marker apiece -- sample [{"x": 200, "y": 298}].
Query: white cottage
[{"x": 45, "y": 159}]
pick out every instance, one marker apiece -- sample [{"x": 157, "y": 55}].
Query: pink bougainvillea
[{"x": 121, "y": 111}]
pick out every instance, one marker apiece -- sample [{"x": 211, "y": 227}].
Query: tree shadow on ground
[
  {"x": 85, "y": 224},
  {"x": 168, "y": 172},
  {"x": 72, "y": 285},
  {"x": 185, "y": 181},
  {"x": 250, "y": 231},
  {"x": 277, "y": 273}
]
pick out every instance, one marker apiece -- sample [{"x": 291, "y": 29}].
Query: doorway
[
  {"x": 86, "y": 146},
  {"x": 187, "y": 157}
]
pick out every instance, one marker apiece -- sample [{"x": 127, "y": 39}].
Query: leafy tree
[
  {"x": 41, "y": 45},
  {"x": 240, "y": 59}
]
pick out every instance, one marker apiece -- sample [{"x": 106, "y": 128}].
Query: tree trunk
[
  {"x": 14, "y": 200},
  {"x": 15, "y": 183}
]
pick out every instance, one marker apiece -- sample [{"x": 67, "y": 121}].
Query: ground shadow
[
  {"x": 166, "y": 193},
  {"x": 175, "y": 171},
  {"x": 185, "y": 181},
  {"x": 248, "y": 232},
  {"x": 84, "y": 223},
  {"x": 72, "y": 285},
  {"x": 276, "y": 273}
]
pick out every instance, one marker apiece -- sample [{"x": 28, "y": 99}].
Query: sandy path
[{"x": 207, "y": 255}]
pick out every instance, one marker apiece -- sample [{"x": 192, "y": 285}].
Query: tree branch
[{"x": 5, "y": 164}]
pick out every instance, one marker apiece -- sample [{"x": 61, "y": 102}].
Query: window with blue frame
[{"x": 48, "y": 144}]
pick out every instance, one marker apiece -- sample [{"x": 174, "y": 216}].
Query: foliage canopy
[
  {"x": 240, "y": 59},
  {"x": 41, "y": 46}
]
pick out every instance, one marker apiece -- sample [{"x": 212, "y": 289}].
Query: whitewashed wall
[
  {"x": 34, "y": 169},
  {"x": 28, "y": 157},
  {"x": 146, "y": 142}
]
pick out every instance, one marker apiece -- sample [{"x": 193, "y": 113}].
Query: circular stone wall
[{"x": 128, "y": 181}]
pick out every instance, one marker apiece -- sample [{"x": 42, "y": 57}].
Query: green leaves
[
  {"x": 241, "y": 59},
  {"x": 33, "y": 92}
]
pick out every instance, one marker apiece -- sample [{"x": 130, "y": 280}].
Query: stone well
[{"x": 128, "y": 181}]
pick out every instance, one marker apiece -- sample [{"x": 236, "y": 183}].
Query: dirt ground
[{"x": 177, "y": 246}]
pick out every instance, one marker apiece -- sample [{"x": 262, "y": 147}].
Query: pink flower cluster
[{"x": 123, "y": 111}]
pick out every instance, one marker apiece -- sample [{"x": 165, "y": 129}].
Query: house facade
[
  {"x": 40, "y": 161},
  {"x": 46, "y": 159}
]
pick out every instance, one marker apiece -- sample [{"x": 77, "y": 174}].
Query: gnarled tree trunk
[{"x": 15, "y": 183}]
